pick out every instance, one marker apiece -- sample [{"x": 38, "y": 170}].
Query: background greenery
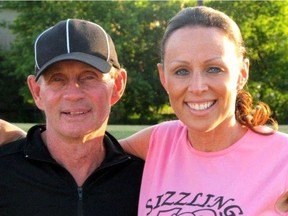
[{"x": 136, "y": 28}]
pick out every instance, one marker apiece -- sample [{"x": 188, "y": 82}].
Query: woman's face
[{"x": 202, "y": 73}]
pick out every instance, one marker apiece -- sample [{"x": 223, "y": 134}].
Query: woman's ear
[
  {"x": 34, "y": 88},
  {"x": 119, "y": 86},
  {"x": 244, "y": 74},
  {"x": 160, "y": 67}
]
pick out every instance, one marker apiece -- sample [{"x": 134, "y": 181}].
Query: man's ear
[
  {"x": 34, "y": 88},
  {"x": 119, "y": 86}
]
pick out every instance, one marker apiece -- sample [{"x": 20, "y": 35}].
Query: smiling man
[{"x": 71, "y": 165}]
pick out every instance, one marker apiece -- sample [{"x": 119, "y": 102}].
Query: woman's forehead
[{"x": 198, "y": 41}]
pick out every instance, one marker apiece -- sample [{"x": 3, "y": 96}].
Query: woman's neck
[{"x": 217, "y": 139}]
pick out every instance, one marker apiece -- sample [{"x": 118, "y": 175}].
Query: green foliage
[
  {"x": 265, "y": 31},
  {"x": 136, "y": 28}
]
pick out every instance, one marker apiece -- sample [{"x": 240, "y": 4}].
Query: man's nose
[{"x": 73, "y": 90}]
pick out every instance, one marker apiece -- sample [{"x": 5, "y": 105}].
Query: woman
[{"x": 217, "y": 159}]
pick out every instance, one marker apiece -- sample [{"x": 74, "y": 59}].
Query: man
[
  {"x": 70, "y": 165},
  {"x": 10, "y": 132}
]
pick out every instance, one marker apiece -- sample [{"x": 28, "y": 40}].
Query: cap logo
[{"x": 67, "y": 36}]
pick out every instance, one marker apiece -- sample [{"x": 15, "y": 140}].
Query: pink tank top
[{"x": 245, "y": 179}]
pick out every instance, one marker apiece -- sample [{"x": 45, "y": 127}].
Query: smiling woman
[
  {"x": 220, "y": 145},
  {"x": 202, "y": 88}
]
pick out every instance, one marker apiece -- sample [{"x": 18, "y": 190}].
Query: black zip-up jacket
[{"x": 32, "y": 183}]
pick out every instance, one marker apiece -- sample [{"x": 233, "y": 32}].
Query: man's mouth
[{"x": 75, "y": 113}]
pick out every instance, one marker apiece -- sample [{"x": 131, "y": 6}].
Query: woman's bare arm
[
  {"x": 9, "y": 132},
  {"x": 138, "y": 143}
]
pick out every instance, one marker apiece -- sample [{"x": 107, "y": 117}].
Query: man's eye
[
  {"x": 182, "y": 72},
  {"x": 56, "y": 79},
  {"x": 214, "y": 70},
  {"x": 89, "y": 77}
]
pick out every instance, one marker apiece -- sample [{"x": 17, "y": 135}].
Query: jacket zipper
[{"x": 80, "y": 201}]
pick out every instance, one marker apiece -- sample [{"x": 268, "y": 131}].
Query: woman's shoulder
[
  {"x": 277, "y": 137},
  {"x": 267, "y": 131},
  {"x": 169, "y": 128}
]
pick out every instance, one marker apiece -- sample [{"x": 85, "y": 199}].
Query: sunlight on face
[
  {"x": 201, "y": 74},
  {"x": 75, "y": 97}
]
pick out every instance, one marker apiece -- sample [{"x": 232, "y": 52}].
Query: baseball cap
[{"x": 75, "y": 39}]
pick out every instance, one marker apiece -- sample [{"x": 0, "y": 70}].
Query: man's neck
[{"x": 79, "y": 159}]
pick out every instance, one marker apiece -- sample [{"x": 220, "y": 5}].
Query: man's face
[{"x": 75, "y": 97}]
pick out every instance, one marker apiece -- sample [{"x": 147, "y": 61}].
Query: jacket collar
[{"x": 37, "y": 150}]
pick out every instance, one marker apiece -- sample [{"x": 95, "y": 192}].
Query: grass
[{"x": 121, "y": 131}]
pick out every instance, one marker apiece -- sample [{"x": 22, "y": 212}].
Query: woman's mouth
[{"x": 201, "y": 106}]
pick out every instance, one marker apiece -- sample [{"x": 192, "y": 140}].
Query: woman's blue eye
[
  {"x": 214, "y": 70},
  {"x": 182, "y": 72}
]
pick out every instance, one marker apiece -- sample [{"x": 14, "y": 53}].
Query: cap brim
[{"x": 96, "y": 62}]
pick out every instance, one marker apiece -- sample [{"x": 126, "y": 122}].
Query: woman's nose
[{"x": 197, "y": 83}]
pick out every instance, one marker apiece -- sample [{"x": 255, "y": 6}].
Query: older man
[{"x": 70, "y": 165}]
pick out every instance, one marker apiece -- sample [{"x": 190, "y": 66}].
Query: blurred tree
[
  {"x": 137, "y": 27},
  {"x": 264, "y": 25}
]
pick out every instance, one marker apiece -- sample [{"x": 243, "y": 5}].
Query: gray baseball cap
[{"x": 75, "y": 39}]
